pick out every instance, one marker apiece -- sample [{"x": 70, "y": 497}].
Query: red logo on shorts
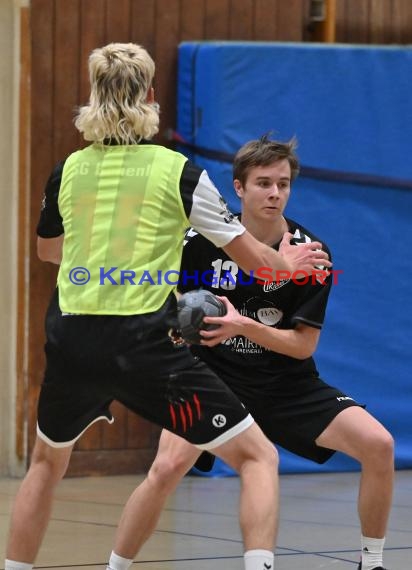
[{"x": 183, "y": 411}]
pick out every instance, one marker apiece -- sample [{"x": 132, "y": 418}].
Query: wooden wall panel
[
  {"x": 341, "y": 30},
  {"x": 192, "y": 21},
  {"x": 241, "y": 22},
  {"x": 402, "y": 22},
  {"x": 357, "y": 21},
  {"x": 62, "y": 35},
  {"x": 66, "y": 77},
  {"x": 290, "y": 20},
  {"x": 217, "y": 17},
  {"x": 143, "y": 24},
  {"x": 92, "y": 24},
  {"x": 380, "y": 15},
  {"x": 374, "y": 21},
  {"x": 266, "y": 20},
  {"x": 118, "y": 20},
  {"x": 41, "y": 275},
  {"x": 167, "y": 37},
  {"x": 23, "y": 236}
]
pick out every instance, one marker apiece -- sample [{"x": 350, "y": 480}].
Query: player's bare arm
[
  {"x": 50, "y": 249},
  {"x": 250, "y": 254},
  {"x": 300, "y": 342}
]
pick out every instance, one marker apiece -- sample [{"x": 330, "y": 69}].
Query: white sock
[
  {"x": 118, "y": 562},
  {"x": 14, "y": 565},
  {"x": 259, "y": 560},
  {"x": 372, "y": 552}
]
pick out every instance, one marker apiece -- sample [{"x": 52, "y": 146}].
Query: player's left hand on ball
[{"x": 228, "y": 325}]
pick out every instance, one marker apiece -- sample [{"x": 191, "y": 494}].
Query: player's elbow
[
  {"x": 302, "y": 353},
  {"x": 44, "y": 254},
  {"x": 307, "y": 342},
  {"x": 41, "y": 253},
  {"x": 50, "y": 249}
]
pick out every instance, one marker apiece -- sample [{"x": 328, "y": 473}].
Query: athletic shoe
[{"x": 377, "y": 567}]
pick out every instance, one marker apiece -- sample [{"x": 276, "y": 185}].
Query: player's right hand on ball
[
  {"x": 306, "y": 257},
  {"x": 229, "y": 325}
]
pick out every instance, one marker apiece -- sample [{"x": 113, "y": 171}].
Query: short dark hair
[{"x": 263, "y": 152}]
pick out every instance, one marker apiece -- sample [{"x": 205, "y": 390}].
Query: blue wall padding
[
  {"x": 358, "y": 96},
  {"x": 350, "y": 109}
]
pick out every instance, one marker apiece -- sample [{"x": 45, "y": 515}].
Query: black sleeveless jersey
[{"x": 281, "y": 304}]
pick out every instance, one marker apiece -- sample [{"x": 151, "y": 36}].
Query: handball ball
[{"x": 192, "y": 307}]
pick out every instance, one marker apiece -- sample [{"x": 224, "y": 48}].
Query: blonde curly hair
[{"x": 121, "y": 76}]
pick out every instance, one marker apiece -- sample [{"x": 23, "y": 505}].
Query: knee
[
  {"x": 270, "y": 456},
  {"x": 265, "y": 455},
  {"x": 166, "y": 472},
  {"x": 50, "y": 464},
  {"x": 266, "y": 452},
  {"x": 383, "y": 445},
  {"x": 379, "y": 450}
]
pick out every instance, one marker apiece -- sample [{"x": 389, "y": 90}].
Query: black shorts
[
  {"x": 93, "y": 360},
  {"x": 295, "y": 415},
  {"x": 292, "y": 414}
]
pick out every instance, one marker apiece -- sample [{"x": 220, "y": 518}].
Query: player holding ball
[{"x": 263, "y": 350}]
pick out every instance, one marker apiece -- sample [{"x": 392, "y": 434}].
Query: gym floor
[{"x": 199, "y": 527}]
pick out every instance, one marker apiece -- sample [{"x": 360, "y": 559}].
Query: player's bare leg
[
  {"x": 174, "y": 458},
  {"x": 250, "y": 454},
  {"x": 256, "y": 460},
  {"x": 33, "y": 502},
  {"x": 359, "y": 435}
]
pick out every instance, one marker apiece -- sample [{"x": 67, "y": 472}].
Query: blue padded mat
[{"x": 350, "y": 109}]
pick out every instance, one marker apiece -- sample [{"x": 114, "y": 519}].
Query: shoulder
[
  {"x": 58, "y": 168},
  {"x": 163, "y": 150},
  {"x": 191, "y": 172},
  {"x": 193, "y": 239},
  {"x": 55, "y": 177},
  {"x": 302, "y": 235},
  {"x": 198, "y": 246}
]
